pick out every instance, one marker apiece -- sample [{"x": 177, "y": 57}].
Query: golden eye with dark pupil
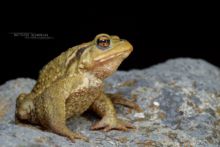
[{"x": 103, "y": 42}]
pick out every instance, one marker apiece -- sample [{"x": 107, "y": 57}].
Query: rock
[{"x": 180, "y": 99}]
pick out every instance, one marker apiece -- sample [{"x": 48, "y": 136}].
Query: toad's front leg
[{"x": 104, "y": 108}]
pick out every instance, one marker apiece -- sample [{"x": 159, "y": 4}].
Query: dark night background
[{"x": 156, "y": 37}]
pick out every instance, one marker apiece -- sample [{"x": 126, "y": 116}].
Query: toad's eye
[{"x": 103, "y": 42}]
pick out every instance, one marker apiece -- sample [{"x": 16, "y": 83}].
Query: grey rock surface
[{"x": 180, "y": 99}]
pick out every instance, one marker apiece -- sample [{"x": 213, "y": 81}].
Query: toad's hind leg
[
  {"x": 119, "y": 99},
  {"x": 51, "y": 110}
]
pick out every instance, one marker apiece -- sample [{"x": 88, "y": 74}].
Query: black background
[{"x": 156, "y": 36}]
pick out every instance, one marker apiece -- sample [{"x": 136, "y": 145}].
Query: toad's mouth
[{"x": 112, "y": 56}]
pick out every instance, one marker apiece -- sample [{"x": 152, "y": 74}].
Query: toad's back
[{"x": 52, "y": 71}]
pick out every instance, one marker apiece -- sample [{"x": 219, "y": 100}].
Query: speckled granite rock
[{"x": 180, "y": 98}]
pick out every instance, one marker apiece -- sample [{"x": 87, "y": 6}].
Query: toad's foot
[
  {"x": 61, "y": 129},
  {"x": 108, "y": 124},
  {"x": 74, "y": 136}
]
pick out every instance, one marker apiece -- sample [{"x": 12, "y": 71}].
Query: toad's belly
[{"x": 80, "y": 101}]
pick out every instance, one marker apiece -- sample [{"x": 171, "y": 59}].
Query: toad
[{"x": 72, "y": 83}]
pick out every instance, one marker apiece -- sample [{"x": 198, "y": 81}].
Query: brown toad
[{"x": 72, "y": 83}]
